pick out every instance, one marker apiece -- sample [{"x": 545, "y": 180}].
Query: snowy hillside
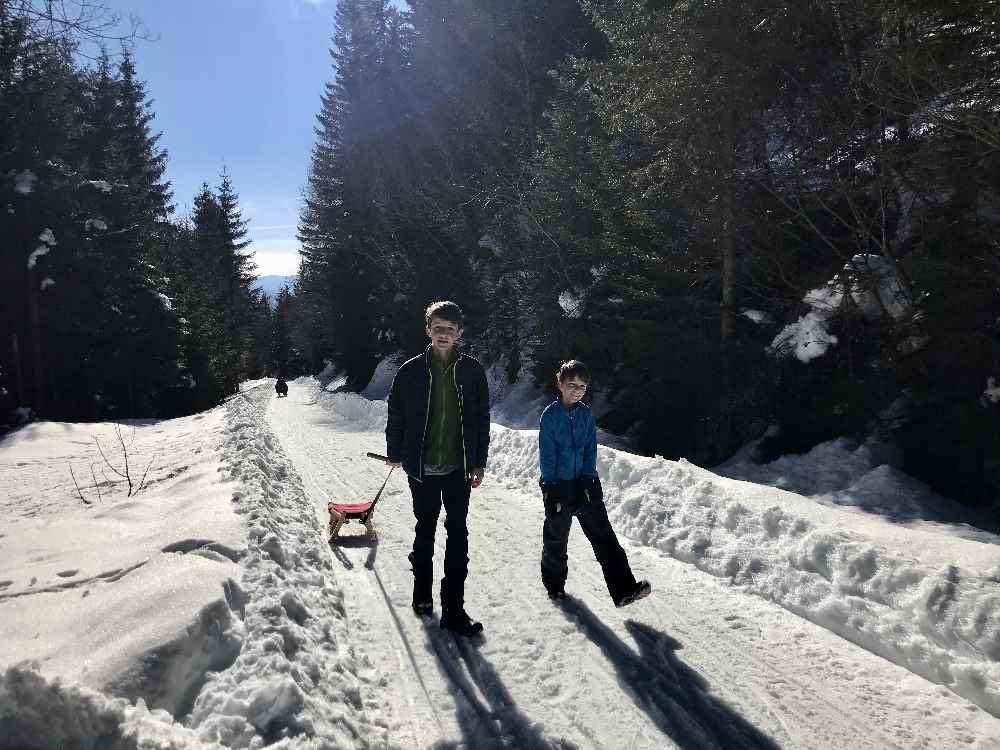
[{"x": 208, "y": 610}]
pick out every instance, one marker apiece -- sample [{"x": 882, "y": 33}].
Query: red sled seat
[
  {"x": 341, "y": 513},
  {"x": 350, "y": 510}
]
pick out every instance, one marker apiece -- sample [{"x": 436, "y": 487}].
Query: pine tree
[
  {"x": 262, "y": 313},
  {"x": 237, "y": 275},
  {"x": 344, "y": 267},
  {"x": 136, "y": 325},
  {"x": 39, "y": 113},
  {"x": 283, "y": 357}
]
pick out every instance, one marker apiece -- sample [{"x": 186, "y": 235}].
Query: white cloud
[
  {"x": 273, "y": 228},
  {"x": 276, "y": 257}
]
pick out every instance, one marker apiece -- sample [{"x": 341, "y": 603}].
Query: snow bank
[
  {"x": 126, "y": 595},
  {"x": 518, "y": 404},
  {"x": 297, "y": 675},
  {"x": 330, "y": 378},
  {"x": 379, "y": 386},
  {"x": 865, "y": 477},
  {"x": 36, "y": 713},
  {"x": 927, "y": 601}
]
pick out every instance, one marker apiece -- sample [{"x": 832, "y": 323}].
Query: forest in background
[
  {"x": 741, "y": 215},
  {"x": 110, "y": 305}
]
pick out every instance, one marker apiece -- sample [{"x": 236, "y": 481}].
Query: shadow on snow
[
  {"x": 493, "y": 721},
  {"x": 672, "y": 694}
]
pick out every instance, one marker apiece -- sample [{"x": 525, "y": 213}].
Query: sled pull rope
[{"x": 379, "y": 493}]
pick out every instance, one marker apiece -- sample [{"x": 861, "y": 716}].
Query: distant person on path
[
  {"x": 567, "y": 456},
  {"x": 281, "y": 387},
  {"x": 438, "y": 430}
]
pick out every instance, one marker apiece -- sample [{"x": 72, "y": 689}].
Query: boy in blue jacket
[{"x": 567, "y": 456}]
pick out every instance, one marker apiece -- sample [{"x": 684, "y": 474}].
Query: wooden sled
[{"x": 341, "y": 513}]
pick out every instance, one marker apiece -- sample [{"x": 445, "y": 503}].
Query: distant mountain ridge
[{"x": 272, "y": 285}]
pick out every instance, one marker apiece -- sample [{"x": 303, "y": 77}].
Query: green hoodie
[{"x": 443, "y": 441}]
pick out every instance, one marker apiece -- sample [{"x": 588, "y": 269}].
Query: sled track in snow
[{"x": 336, "y": 484}]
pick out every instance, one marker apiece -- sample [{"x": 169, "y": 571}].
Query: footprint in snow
[{"x": 68, "y": 573}]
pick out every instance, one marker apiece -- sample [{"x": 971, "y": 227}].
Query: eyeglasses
[{"x": 575, "y": 387}]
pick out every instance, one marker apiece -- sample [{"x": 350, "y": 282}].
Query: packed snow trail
[{"x": 700, "y": 664}]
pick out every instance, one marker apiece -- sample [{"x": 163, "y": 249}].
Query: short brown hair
[
  {"x": 445, "y": 310},
  {"x": 573, "y": 368}
]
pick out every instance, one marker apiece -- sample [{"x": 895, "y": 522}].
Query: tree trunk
[
  {"x": 36, "y": 340},
  {"x": 17, "y": 368},
  {"x": 727, "y": 330},
  {"x": 527, "y": 93}
]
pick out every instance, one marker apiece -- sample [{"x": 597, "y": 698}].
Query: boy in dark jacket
[
  {"x": 438, "y": 430},
  {"x": 567, "y": 456}
]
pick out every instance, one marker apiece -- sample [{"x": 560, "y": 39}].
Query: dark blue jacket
[
  {"x": 567, "y": 443},
  {"x": 409, "y": 410}
]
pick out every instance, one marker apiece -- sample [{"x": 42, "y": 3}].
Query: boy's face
[
  {"x": 572, "y": 389},
  {"x": 443, "y": 334}
]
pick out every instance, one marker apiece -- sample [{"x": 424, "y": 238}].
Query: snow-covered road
[
  {"x": 700, "y": 664},
  {"x": 208, "y": 610}
]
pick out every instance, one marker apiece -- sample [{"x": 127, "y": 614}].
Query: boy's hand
[{"x": 477, "y": 477}]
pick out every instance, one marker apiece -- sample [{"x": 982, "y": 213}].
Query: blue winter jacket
[{"x": 567, "y": 442}]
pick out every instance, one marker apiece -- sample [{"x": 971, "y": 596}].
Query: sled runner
[{"x": 341, "y": 513}]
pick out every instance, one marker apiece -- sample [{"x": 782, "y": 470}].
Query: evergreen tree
[
  {"x": 344, "y": 265},
  {"x": 283, "y": 357},
  {"x": 262, "y": 322},
  {"x": 237, "y": 277},
  {"x": 39, "y": 113},
  {"x": 106, "y": 308},
  {"x": 133, "y": 319}
]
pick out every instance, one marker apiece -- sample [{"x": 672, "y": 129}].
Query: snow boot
[
  {"x": 459, "y": 623},
  {"x": 641, "y": 591},
  {"x": 425, "y": 608}
]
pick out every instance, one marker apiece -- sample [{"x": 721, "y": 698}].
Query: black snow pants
[
  {"x": 584, "y": 499},
  {"x": 453, "y": 491}
]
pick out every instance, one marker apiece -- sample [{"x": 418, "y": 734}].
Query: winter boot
[
  {"x": 641, "y": 591},
  {"x": 459, "y": 623}
]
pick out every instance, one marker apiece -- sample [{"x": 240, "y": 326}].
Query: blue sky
[{"x": 237, "y": 83}]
